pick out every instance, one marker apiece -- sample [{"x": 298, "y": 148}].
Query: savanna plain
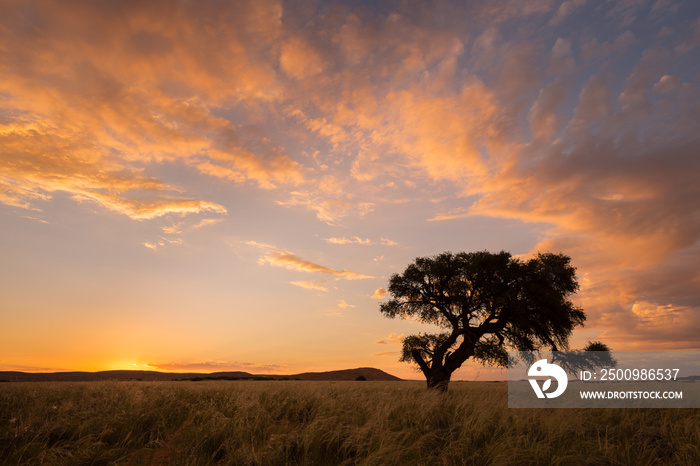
[{"x": 317, "y": 423}]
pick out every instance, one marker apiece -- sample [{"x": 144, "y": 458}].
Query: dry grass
[{"x": 293, "y": 422}]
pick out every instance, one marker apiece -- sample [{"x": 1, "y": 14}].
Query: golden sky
[{"x": 228, "y": 185}]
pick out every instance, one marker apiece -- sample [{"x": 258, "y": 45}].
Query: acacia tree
[{"x": 486, "y": 303}]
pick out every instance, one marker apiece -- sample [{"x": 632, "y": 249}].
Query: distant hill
[
  {"x": 110, "y": 375},
  {"x": 369, "y": 373}
]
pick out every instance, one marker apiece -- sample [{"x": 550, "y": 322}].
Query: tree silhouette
[
  {"x": 594, "y": 355},
  {"x": 486, "y": 303}
]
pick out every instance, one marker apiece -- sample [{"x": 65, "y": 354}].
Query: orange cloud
[
  {"x": 92, "y": 104},
  {"x": 216, "y": 366},
  {"x": 240, "y": 165},
  {"x": 353, "y": 240},
  {"x": 142, "y": 209},
  {"x": 393, "y": 338},
  {"x": 361, "y": 241},
  {"x": 38, "y": 161},
  {"x": 343, "y": 305},
  {"x": 289, "y": 261},
  {"x": 329, "y": 211},
  {"x": 311, "y": 285},
  {"x": 206, "y": 222},
  {"x": 300, "y": 60},
  {"x": 543, "y": 119},
  {"x": 458, "y": 212},
  {"x": 281, "y": 258}
]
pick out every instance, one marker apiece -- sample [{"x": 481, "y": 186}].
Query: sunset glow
[{"x": 209, "y": 186}]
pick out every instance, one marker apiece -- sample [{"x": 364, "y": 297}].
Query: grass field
[{"x": 294, "y": 422}]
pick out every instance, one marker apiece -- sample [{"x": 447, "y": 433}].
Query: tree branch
[{"x": 416, "y": 354}]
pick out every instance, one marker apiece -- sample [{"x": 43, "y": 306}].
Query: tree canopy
[{"x": 485, "y": 303}]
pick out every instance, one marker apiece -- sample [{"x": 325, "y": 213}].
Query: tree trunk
[{"x": 438, "y": 380}]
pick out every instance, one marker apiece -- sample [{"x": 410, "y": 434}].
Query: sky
[{"x": 229, "y": 185}]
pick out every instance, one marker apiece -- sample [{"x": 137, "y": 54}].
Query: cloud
[
  {"x": 392, "y": 338},
  {"x": 457, "y": 212},
  {"x": 207, "y": 222},
  {"x": 644, "y": 307},
  {"x": 155, "y": 245},
  {"x": 279, "y": 258},
  {"x": 27, "y": 368},
  {"x": 216, "y": 366},
  {"x": 609, "y": 186},
  {"x": 174, "y": 229},
  {"x": 361, "y": 241},
  {"x": 35, "y": 219},
  {"x": 259, "y": 245},
  {"x": 343, "y": 305},
  {"x": 543, "y": 115},
  {"x": 147, "y": 209},
  {"x": 311, "y": 285},
  {"x": 353, "y": 240},
  {"x": 285, "y": 259},
  {"x": 561, "y": 61},
  {"x": 566, "y": 9},
  {"x": 329, "y": 211},
  {"x": 379, "y": 293},
  {"x": 299, "y": 59},
  {"x": 691, "y": 41},
  {"x": 167, "y": 95},
  {"x": 74, "y": 121},
  {"x": 38, "y": 161},
  {"x": 592, "y": 49},
  {"x": 241, "y": 165},
  {"x": 386, "y": 353}
]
